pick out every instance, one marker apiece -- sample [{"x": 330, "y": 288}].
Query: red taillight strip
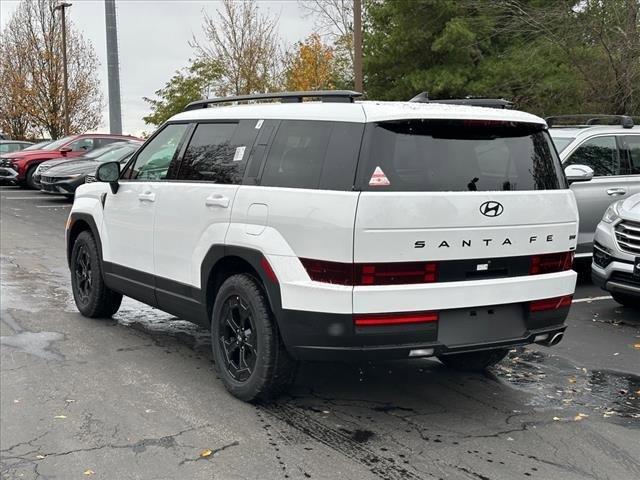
[
  {"x": 551, "y": 263},
  {"x": 550, "y": 303},
  {"x": 382, "y": 319},
  {"x": 268, "y": 270}
]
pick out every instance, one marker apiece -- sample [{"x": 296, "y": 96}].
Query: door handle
[
  {"x": 147, "y": 197},
  {"x": 614, "y": 192},
  {"x": 217, "y": 200}
]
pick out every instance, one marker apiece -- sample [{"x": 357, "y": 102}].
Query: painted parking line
[
  {"x": 53, "y": 206},
  {"x": 22, "y": 198},
  {"x": 592, "y": 299}
]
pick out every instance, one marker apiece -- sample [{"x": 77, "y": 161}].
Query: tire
[
  {"x": 474, "y": 361},
  {"x": 626, "y": 300},
  {"x": 28, "y": 178},
  {"x": 254, "y": 365},
  {"x": 93, "y": 298}
]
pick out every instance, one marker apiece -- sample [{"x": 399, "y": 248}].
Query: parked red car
[{"x": 19, "y": 167}]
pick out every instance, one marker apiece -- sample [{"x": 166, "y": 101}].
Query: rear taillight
[
  {"x": 387, "y": 319},
  {"x": 396, "y": 273},
  {"x": 550, "y": 263},
  {"x": 550, "y": 303},
  {"x": 402, "y": 273}
]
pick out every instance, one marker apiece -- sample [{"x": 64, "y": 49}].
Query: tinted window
[
  {"x": 599, "y": 153},
  {"x": 632, "y": 144},
  {"x": 562, "y": 142},
  {"x": 457, "y": 155},
  {"x": 297, "y": 154},
  {"x": 117, "y": 153},
  {"x": 84, "y": 144},
  {"x": 153, "y": 161},
  {"x": 213, "y": 156}
]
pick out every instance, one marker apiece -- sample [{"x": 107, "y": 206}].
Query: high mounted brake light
[{"x": 399, "y": 273}]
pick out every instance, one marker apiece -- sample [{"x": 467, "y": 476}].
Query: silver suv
[
  {"x": 616, "y": 254},
  {"x": 602, "y": 163}
]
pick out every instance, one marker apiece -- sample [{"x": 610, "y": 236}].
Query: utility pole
[
  {"x": 113, "y": 71},
  {"x": 357, "y": 45},
  {"x": 62, "y": 7}
]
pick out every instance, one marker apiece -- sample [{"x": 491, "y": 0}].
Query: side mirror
[
  {"x": 65, "y": 150},
  {"x": 578, "y": 173},
  {"x": 109, "y": 172}
]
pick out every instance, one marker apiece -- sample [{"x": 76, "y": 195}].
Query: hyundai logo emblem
[{"x": 491, "y": 209}]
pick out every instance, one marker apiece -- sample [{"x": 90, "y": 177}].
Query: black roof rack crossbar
[
  {"x": 586, "y": 120},
  {"x": 471, "y": 101},
  {"x": 338, "y": 96}
]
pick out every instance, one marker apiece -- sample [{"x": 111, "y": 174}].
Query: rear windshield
[{"x": 458, "y": 155}]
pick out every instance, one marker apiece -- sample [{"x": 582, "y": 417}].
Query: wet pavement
[{"x": 137, "y": 397}]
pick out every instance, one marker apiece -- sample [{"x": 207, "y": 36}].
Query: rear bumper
[{"x": 330, "y": 337}]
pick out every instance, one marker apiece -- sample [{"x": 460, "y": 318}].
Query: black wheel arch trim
[{"x": 74, "y": 218}]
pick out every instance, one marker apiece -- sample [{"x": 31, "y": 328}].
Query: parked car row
[{"x": 25, "y": 167}]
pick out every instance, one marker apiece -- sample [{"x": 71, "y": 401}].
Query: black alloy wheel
[
  {"x": 82, "y": 272},
  {"x": 238, "y": 338}
]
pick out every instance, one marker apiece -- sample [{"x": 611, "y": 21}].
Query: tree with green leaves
[{"x": 187, "y": 85}]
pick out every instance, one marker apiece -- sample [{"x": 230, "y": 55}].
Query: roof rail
[
  {"x": 588, "y": 120},
  {"x": 336, "y": 96},
  {"x": 469, "y": 100}
]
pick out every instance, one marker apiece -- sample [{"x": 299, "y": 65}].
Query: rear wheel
[
  {"x": 474, "y": 361},
  {"x": 626, "y": 300},
  {"x": 248, "y": 351},
  {"x": 93, "y": 298}
]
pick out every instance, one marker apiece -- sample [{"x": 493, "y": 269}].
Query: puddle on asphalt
[
  {"x": 38, "y": 344},
  {"x": 555, "y": 383}
]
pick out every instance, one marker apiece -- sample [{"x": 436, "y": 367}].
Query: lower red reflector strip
[
  {"x": 550, "y": 303},
  {"x": 383, "y": 319}
]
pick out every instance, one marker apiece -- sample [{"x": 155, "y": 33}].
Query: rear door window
[
  {"x": 599, "y": 153},
  {"x": 313, "y": 154},
  {"x": 458, "y": 155},
  {"x": 632, "y": 144}
]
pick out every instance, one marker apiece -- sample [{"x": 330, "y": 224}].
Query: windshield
[
  {"x": 562, "y": 142},
  {"x": 458, "y": 155},
  {"x": 38, "y": 146},
  {"x": 117, "y": 154},
  {"x": 55, "y": 145}
]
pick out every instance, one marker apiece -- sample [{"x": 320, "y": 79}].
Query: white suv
[{"x": 335, "y": 229}]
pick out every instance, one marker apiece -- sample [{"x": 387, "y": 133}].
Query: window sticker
[
  {"x": 239, "y": 154},
  {"x": 379, "y": 179},
  {"x": 259, "y": 124}
]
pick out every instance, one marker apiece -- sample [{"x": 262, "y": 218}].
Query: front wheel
[
  {"x": 93, "y": 298},
  {"x": 474, "y": 361},
  {"x": 626, "y": 300},
  {"x": 248, "y": 351},
  {"x": 30, "y": 181}
]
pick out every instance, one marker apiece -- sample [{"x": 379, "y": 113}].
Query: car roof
[
  {"x": 16, "y": 141},
  {"x": 358, "y": 112},
  {"x": 572, "y": 132}
]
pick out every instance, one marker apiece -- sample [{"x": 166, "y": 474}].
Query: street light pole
[
  {"x": 357, "y": 45},
  {"x": 62, "y": 7}
]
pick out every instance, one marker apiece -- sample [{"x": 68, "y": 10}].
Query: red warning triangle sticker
[{"x": 379, "y": 179}]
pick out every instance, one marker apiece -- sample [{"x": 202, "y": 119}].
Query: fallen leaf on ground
[
  {"x": 556, "y": 419},
  {"x": 88, "y": 472},
  {"x": 637, "y": 346},
  {"x": 580, "y": 416},
  {"x": 40, "y": 457},
  {"x": 206, "y": 453},
  {"x": 572, "y": 380},
  {"x": 60, "y": 416}
]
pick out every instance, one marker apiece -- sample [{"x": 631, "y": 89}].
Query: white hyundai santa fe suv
[{"x": 334, "y": 229}]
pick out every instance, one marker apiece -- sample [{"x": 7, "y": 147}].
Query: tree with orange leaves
[{"x": 311, "y": 65}]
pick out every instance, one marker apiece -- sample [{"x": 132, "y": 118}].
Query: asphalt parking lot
[{"x": 137, "y": 397}]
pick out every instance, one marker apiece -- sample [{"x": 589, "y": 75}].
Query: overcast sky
[{"x": 153, "y": 38}]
